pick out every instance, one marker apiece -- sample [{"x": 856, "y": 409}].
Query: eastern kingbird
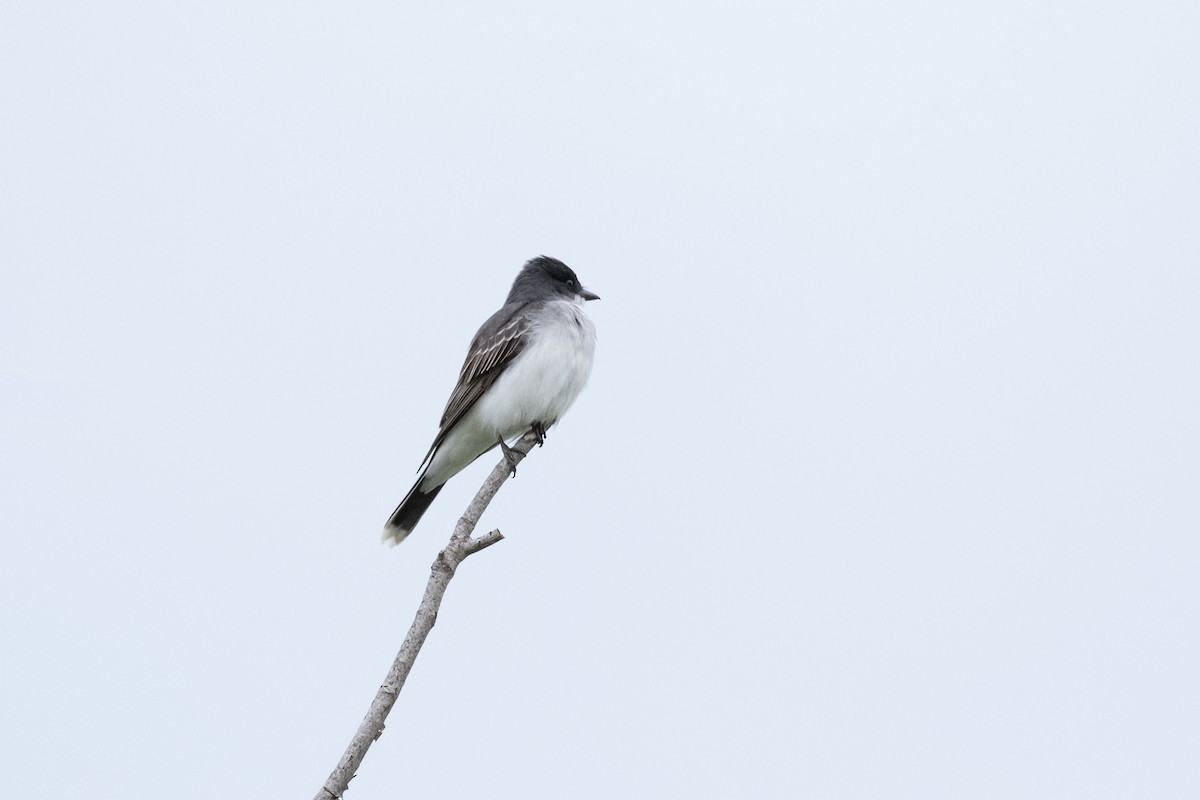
[{"x": 526, "y": 366}]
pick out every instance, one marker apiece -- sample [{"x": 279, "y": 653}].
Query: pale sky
[{"x": 885, "y": 484}]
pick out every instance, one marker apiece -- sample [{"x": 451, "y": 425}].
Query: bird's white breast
[
  {"x": 539, "y": 385},
  {"x": 543, "y": 381}
]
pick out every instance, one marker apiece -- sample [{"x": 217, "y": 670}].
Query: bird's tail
[{"x": 408, "y": 513}]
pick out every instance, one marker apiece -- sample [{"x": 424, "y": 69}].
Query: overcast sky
[{"x": 885, "y": 484}]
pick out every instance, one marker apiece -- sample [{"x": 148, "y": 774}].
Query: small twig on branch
[{"x": 460, "y": 546}]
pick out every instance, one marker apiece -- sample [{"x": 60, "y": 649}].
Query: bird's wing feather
[{"x": 495, "y": 345}]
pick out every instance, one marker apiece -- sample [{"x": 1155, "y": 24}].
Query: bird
[{"x": 524, "y": 369}]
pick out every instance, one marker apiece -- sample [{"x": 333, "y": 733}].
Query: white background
[{"x": 885, "y": 484}]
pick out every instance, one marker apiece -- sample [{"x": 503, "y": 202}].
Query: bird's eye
[{"x": 571, "y": 283}]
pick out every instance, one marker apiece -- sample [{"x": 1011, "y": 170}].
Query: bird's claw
[
  {"x": 510, "y": 457},
  {"x": 540, "y": 430}
]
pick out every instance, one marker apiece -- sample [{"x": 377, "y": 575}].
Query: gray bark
[{"x": 461, "y": 545}]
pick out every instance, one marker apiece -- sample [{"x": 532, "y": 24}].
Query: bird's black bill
[{"x": 586, "y": 295}]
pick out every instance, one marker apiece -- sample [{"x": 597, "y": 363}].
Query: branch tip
[{"x": 480, "y": 542}]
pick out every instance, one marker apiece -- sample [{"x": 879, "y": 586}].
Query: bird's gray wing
[{"x": 496, "y": 344}]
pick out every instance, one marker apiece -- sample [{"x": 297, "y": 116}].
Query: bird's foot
[
  {"x": 540, "y": 429},
  {"x": 510, "y": 457}
]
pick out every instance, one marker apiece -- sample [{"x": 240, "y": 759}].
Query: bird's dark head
[{"x": 543, "y": 278}]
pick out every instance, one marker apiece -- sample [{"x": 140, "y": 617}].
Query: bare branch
[
  {"x": 460, "y": 546},
  {"x": 480, "y": 542}
]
